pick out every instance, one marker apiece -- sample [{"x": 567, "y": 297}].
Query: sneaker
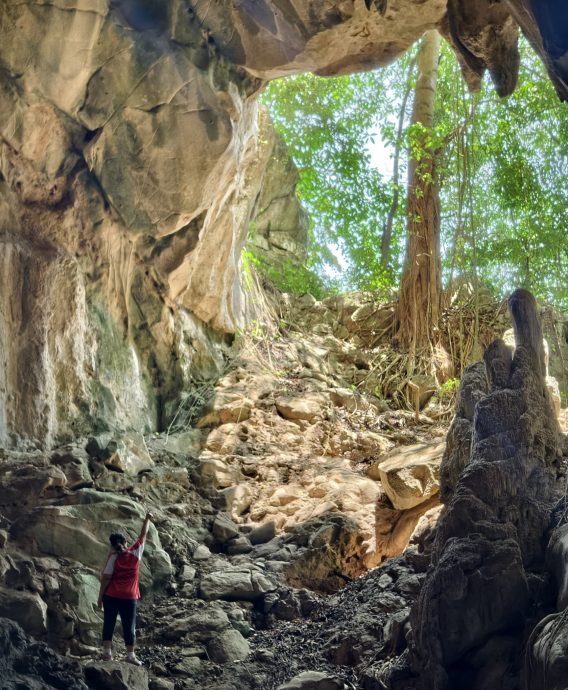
[
  {"x": 107, "y": 655},
  {"x": 133, "y": 659}
]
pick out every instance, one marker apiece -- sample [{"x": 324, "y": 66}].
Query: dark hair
[{"x": 117, "y": 541}]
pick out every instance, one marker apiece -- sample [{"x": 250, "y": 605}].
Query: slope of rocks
[
  {"x": 269, "y": 496},
  {"x": 278, "y": 490}
]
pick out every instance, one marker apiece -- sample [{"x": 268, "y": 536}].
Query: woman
[{"x": 119, "y": 591}]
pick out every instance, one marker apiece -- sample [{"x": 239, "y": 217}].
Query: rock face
[
  {"x": 279, "y": 231},
  {"x": 489, "y": 543},
  {"x": 545, "y": 25},
  {"x": 25, "y": 663},
  {"x": 473, "y": 388},
  {"x": 131, "y": 171}
]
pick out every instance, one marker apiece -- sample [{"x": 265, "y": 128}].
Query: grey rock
[
  {"x": 245, "y": 584},
  {"x": 161, "y": 684},
  {"x": 201, "y": 625},
  {"x": 228, "y": 647},
  {"x": 313, "y": 680},
  {"x": 27, "y": 609},
  {"x": 33, "y": 665},
  {"x": 201, "y": 553},
  {"x": 263, "y": 534},
  {"x": 268, "y": 549},
  {"x": 224, "y": 528},
  {"x": 187, "y": 573},
  {"x": 129, "y": 454},
  {"x": 188, "y": 666},
  {"x": 239, "y": 546},
  {"x": 116, "y": 676}
]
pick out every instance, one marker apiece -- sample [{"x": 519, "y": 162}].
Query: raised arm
[{"x": 145, "y": 526}]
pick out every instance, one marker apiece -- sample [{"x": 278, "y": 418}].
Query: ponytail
[{"x": 118, "y": 542}]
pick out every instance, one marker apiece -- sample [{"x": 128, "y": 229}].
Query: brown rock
[
  {"x": 411, "y": 476},
  {"x": 300, "y": 408}
]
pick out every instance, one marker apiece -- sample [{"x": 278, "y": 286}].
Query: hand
[{"x": 100, "y": 603}]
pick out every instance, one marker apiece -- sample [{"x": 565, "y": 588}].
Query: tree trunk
[
  {"x": 387, "y": 229},
  {"x": 419, "y": 303}
]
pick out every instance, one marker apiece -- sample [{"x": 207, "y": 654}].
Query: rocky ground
[{"x": 278, "y": 489}]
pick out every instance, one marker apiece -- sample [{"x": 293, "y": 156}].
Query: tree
[
  {"x": 419, "y": 302},
  {"x": 329, "y": 125},
  {"x": 501, "y": 168}
]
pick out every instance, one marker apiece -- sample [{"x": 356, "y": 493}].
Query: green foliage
[
  {"x": 329, "y": 125},
  {"x": 288, "y": 276},
  {"x": 449, "y": 388},
  {"x": 515, "y": 219},
  {"x": 502, "y": 172}
]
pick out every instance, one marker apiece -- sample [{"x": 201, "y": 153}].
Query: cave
[{"x": 133, "y": 164}]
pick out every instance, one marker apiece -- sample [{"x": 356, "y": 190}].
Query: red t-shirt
[{"x": 124, "y": 570}]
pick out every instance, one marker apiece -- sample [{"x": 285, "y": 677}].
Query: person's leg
[
  {"x": 128, "y": 618},
  {"x": 110, "y": 610}
]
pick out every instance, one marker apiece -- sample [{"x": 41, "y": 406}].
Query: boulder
[
  {"x": 313, "y": 680},
  {"x": 73, "y": 461},
  {"x": 228, "y": 647},
  {"x": 263, "y": 533},
  {"x": 25, "y": 663},
  {"x": 236, "y": 584},
  {"x": 238, "y": 546},
  {"x": 23, "y": 486},
  {"x": 224, "y": 528},
  {"x": 307, "y": 408},
  {"x": 350, "y": 400},
  {"x": 82, "y": 594},
  {"x": 411, "y": 475},
  {"x": 331, "y": 551},
  {"x": 129, "y": 454},
  {"x": 116, "y": 676},
  {"x": 226, "y": 409},
  {"x": 25, "y": 608},
  {"x": 181, "y": 442},
  {"x": 202, "y": 625},
  {"x": 161, "y": 684},
  {"x": 79, "y": 527},
  {"x": 218, "y": 473},
  {"x": 188, "y": 573},
  {"x": 201, "y": 553},
  {"x": 237, "y": 499}
]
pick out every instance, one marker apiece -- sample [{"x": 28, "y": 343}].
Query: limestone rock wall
[
  {"x": 486, "y": 575},
  {"x": 120, "y": 147},
  {"x": 279, "y": 230}
]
